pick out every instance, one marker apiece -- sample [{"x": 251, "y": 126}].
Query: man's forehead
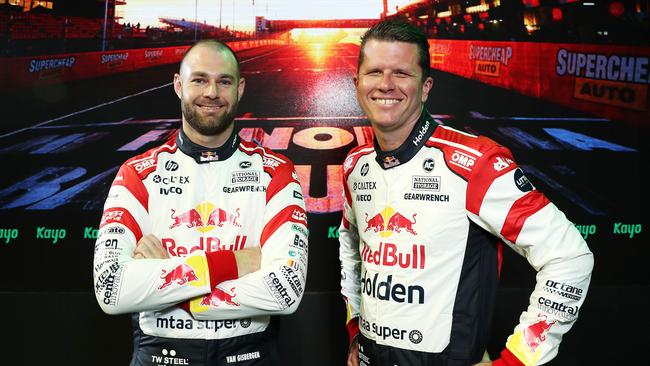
[
  {"x": 207, "y": 59},
  {"x": 378, "y": 51}
]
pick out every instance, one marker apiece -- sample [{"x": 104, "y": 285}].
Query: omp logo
[
  {"x": 141, "y": 165},
  {"x": 462, "y": 160},
  {"x": 270, "y": 162},
  {"x": 388, "y": 221}
]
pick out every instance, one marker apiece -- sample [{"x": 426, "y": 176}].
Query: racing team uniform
[
  {"x": 203, "y": 204},
  {"x": 420, "y": 256}
]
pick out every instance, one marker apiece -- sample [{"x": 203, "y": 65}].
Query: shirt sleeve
[
  {"x": 503, "y": 201},
  {"x": 350, "y": 262},
  {"x": 277, "y": 287},
  {"x": 123, "y": 284}
]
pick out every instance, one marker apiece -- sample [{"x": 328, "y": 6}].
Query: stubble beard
[{"x": 207, "y": 126}]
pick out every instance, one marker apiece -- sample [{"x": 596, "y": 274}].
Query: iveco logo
[
  {"x": 171, "y": 166},
  {"x": 245, "y": 164},
  {"x": 428, "y": 165}
]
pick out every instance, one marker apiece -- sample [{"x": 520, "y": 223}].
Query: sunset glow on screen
[{"x": 242, "y": 12}]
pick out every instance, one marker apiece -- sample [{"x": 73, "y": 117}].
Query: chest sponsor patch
[
  {"x": 245, "y": 177},
  {"x": 426, "y": 183}
]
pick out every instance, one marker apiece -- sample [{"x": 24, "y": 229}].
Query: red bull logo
[
  {"x": 182, "y": 274},
  {"x": 218, "y": 296},
  {"x": 388, "y": 221},
  {"x": 204, "y": 217},
  {"x": 536, "y": 333}
]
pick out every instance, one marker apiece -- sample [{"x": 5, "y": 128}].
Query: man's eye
[
  {"x": 198, "y": 81},
  {"x": 374, "y": 73},
  {"x": 225, "y": 82}
]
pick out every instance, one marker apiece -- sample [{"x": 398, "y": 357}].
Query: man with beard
[{"x": 203, "y": 238}]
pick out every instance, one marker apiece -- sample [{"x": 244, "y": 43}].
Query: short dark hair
[
  {"x": 399, "y": 30},
  {"x": 217, "y": 45}
]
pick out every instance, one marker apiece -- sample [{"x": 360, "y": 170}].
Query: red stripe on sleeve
[
  {"x": 222, "y": 266},
  {"x": 280, "y": 178},
  {"x": 128, "y": 178},
  {"x": 353, "y": 328},
  {"x": 293, "y": 213},
  {"x": 507, "y": 359},
  {"x": 520, "y": 211},
  {"x": 122, "y": 216},
  {"x": 346, "y": 223}
]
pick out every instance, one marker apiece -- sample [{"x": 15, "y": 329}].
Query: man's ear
[
  {"x": 177, "y": 85},
  {"x": 241, "y": 87},
  {"x": 426, "y": 88}
]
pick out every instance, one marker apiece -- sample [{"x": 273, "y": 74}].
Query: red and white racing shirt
[
  {"x": 419, "y": 247},
  {"x": 203, "y": 204}
]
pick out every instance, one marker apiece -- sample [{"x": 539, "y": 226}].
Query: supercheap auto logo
[{"x": 615, "y": 79}]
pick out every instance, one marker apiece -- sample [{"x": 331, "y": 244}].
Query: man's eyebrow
[{"x": 206, "y": 75}]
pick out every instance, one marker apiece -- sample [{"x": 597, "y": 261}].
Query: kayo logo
[{"x": 388, "y": 221}]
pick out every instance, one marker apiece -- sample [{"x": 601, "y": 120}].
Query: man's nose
[
  {"x": 211, "y": 90},
  {"x": 386, "y": 82}
]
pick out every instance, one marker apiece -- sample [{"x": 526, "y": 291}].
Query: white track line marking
[{"x": 111, "y": 102}]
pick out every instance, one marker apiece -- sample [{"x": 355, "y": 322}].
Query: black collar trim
[
  {"x": 202, "y": 154},
  {"x": 422, "y": 130}
]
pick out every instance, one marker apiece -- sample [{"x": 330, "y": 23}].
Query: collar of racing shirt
[
  {"x": 204, "y": 154},
  {"x": 421, "y": 132}
]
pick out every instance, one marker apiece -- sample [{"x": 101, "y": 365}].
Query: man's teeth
[{"x": 387, "y": 101}]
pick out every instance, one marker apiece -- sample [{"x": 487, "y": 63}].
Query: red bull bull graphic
[
  {"x": 536, "y": 333},
  {"x": 205, "y": 217},
  {"x": 181, "y": 274},
  {"x": 388, "y": 221},
  {"x": 190, "y": 218},
  {"x": 219, "y": 217},
  {"x": 219, "y": 296},
  {"x": 398, "y": 222},
  {"x": 376, "y": 223}
]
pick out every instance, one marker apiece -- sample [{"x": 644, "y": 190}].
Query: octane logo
[
  {"x": 388, "y": 221},
  {"x": 204, "y": 217}
]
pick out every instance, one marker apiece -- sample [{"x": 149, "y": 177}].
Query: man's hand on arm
[
  {"x": 248, "y": 260},
  {"x": 150, "y": 247}
]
